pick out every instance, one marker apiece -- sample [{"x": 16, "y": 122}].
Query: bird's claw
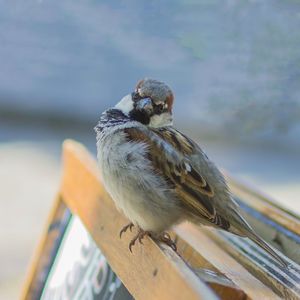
[
  {"x": 166, "y": 238},
  {"x": 163, "y": 237},
  {"x": 131, "y": 244},
  {"x": 139, "y": 236},
  {"x": 124, "y": 229}
]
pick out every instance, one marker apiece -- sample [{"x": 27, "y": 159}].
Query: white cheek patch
[
  {"x": 125, "y": 105},
  {"x": 161, "y": 120}
]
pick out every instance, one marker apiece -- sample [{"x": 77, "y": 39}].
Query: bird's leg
[
  {"x": 139, "y": 236},
  {"x": 124, "y": 229},
  {"x": 166, "y": 238}
]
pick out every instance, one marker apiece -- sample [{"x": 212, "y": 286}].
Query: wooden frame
[
  {"x": 45, "y": 254},
  {"x": 211, "y": 264}
]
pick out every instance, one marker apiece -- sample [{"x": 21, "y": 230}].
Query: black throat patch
[{"x": 139, "y": 116}]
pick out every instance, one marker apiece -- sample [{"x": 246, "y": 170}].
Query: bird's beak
[{"x": 145, "y": 105}]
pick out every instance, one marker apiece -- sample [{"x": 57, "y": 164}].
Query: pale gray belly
[{"x": 142, "y": 196}]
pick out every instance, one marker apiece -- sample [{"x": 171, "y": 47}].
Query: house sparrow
[{"x": 157, "y": 175}]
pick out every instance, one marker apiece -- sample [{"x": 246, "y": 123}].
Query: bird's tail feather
[
  {"x": 244, "y": 229},
  {"x": 260, "y": 242}
]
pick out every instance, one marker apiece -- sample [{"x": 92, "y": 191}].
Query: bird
[{"x": 158, "y": 176}]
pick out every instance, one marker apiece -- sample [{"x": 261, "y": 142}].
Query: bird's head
[{"x": 150, "y": 104}]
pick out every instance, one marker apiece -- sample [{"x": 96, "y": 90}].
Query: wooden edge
[
  {"x": 44, "y": 254},
  {"x": 148, "y": 272},
  {"x": 217, "y": 255},
  {"x": 280, "y": 237},
  {"x": 284, "y": 281},
  {"x": 265, "y": 205},
  {"x": 223, "y": 286}
]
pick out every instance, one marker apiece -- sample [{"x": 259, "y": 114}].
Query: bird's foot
[
  {"x": 166, "y": 238},
  {"x": 124, "y": 229},
  {"x": 139, "y": 236}
]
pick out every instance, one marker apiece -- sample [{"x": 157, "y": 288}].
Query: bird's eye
[
  {"x": 136, "y": 96},
  {"x": 158, "y": 108}
]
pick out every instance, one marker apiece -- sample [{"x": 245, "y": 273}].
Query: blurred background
[{"x": 234, "y": 67}]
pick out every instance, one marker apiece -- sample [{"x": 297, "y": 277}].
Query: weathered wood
[
  {"x": 276, "y": 226},
  {"x": 265, "y": 205},
  {"x": 217, "y": 256},
  {"x": 46, "y": 251},
  {"x": 205, "y": 268},
  {"x": 284, "y": 281},
  {"x": 222, "y": 285},
  {"x": 149, "y": 272}
]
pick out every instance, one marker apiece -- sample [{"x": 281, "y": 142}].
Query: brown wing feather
[
  {"x": 163, "y": 146},
  {"x": 178, "y": 140}
]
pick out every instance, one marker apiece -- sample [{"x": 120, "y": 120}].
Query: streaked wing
[{"x": 168, "y": 153}]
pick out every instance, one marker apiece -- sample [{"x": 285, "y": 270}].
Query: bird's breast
[{"x": 136, "y": 190}]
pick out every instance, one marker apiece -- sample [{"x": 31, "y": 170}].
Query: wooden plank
[
  {"x": 280, "y": 237},
  {"x": 46, "y": 250},
  {"x": 207, "y": 247},
  {"x": 276, "y": 226},
  {"x": 149, "y": 272},
  {"x": 156, "y": 269},
  {"x": 222, "y": 285},
  {"x": 284, "y": 281},
  {"x": 265, "y": 205}
]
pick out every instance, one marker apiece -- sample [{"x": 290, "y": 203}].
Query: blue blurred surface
[{"x": 234, "y": 65}]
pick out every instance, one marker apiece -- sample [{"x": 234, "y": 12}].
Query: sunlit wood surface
[{"x": 210, "y": 265}]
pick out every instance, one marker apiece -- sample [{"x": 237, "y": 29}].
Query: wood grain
[
  {"x": 273, "y": 224},
  {"x": 284, "y": 281},
  {"x": 202, "y": 243},
  {"x": 209, "y": 265},
  {"x": 222, "y": 285},
  {"x": 45, "y": 251},
  {"x": 264, "y": 205}
]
